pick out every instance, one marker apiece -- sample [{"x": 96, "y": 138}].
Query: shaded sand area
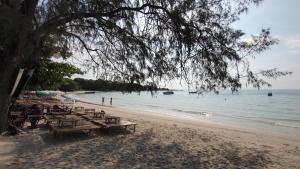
[{"x": 157, "y": 143}]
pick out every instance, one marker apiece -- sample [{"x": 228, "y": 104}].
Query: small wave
[
  {"x": 153, "y": 106},
  {"x": 273, "y": 123},
  {"x": 178, "y": 110},
  {"x": 268, "y": 121},
  {"x": 286, "y": 120},
  {"x": 264, "y": 118},
  {"x": 192, "y": 112},
  {"x": 286, "y": 125}
]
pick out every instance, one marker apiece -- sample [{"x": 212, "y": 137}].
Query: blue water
[{"x": 248, "y": 108}]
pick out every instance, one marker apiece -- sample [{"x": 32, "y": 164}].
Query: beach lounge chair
[
  {"x": 122, "y": 124},
  {"x": 57, "y": 110},
  {"x": 72, "y": 124},
  {"x": 99, "y": 115}
]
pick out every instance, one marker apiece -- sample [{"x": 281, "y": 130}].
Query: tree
[
  {"x": 133, "y": 40},
  {"x": 49, "y": 75},
  {"x": 104, "y": 85},
  {"x": 69, "y": 85}
]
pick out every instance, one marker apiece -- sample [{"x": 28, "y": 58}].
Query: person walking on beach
[
  {"x": 102, "y": 101},
  {"x": 111, "y": 101}
]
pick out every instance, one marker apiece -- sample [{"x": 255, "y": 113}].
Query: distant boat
[
  {"x": 89, "y": 92},
  {"x": 270, "y": 94},
  {"x": 193, "y": 92},
  {"x": 168, "y": 92}
]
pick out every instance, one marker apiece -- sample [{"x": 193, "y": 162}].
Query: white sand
[{"x": 158, "y": 143}]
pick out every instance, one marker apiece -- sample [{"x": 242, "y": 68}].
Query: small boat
[
  {"x": 193, "y": 92},
  {"x": 168, "y": 92},
  {"x": 270, "y": 94},
  {"x": 89, "y": 92}
]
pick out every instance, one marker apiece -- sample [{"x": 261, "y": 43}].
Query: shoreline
[
  {"x": 121, "y": 111},
  {"x": 125, "y": 113}
]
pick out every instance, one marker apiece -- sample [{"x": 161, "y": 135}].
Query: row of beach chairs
[
  {"x": 63, "y": 119},
  {"x": 85, "y": 119}
]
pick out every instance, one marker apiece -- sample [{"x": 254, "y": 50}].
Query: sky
[{"x": 283, "y": 17}]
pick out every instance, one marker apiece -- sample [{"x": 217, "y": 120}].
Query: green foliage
[
  {"x": 103, "y": 85},
  {"x": 69, "y": 85},
  {"x": 138, "y": 41},
  {"x": 49, "y": 75}
]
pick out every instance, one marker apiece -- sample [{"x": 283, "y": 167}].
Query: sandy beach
[{"x": 157, "y": 143}]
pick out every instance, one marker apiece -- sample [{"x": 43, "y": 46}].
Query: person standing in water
[
  {"x": 111, "y": 101},
  {"x": 102, "y": 101}
]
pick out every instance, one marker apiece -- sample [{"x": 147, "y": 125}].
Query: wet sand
[{"x": 157, "y": 143}]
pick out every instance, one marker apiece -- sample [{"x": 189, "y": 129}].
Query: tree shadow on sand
[{"x": 139, "y": 150}]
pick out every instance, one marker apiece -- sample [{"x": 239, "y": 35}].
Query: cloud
[{"x": 293, "y": 44}]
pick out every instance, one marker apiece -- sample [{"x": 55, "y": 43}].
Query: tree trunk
[
  {"x": 4, "y": 105},
  {"x": 7, "y": 79},
  {"x": 17, "y": 51}
]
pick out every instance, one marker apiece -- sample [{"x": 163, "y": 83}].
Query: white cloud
[{"x": 293, "y": 44}]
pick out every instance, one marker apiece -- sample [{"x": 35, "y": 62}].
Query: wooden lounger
[
  {"x": 90, "y": 116},
  {"x": 122, "y": 124},
  {"x": 59, "y": 130}
]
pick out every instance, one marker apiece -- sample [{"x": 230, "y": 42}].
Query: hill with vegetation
[
  {"x": 103, "y": 85},
  {"x": 49, "y": 75}
]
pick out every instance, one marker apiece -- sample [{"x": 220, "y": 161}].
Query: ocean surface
[{"x": 248, "y": 108}]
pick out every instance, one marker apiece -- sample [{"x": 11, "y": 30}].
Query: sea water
[{"x": 247, "y": 108}]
